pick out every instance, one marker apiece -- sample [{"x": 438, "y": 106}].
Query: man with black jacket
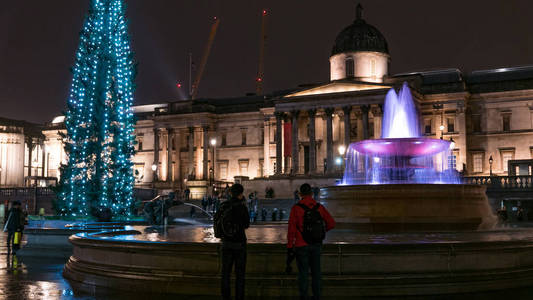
[{"x": 234, "y": 246}]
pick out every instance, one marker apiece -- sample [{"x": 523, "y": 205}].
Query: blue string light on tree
[{"x": 99, "y": 119}]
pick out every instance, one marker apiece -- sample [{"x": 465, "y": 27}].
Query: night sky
[{"x": 38, "y": 40}]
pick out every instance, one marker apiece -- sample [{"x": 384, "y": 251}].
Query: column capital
[
  {"x": 346, "y": 109},
  {"x": 365, "y": 109},
  {"x": 279, "y": 114},
  {"x": 329, "y": 111},
  {"x": 377, "y": 111},
  {"x": 295, "y": 113},
  {"x": 311, "y": 112}
]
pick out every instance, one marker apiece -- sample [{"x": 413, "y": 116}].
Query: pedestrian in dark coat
[
  {"x": 13, "y": 224},
  {"x": 234, "y": 247}
]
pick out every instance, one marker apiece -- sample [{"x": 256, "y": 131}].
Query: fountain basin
[
  {"x": 185, "y": 262},
  {"x": 409, "y": 207},
  {"x": 403, "y": 147}
]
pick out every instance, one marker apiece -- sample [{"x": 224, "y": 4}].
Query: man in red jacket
[{"x": 307, "y": 252}]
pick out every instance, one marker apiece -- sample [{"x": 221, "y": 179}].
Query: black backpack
[
  {"x": 314, "y": 228},
  {"x": 223, "y": 223}
]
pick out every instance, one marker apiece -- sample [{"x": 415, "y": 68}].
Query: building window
[
  {"x": 173, "y": 144},
  {"x": 350, "y": 67},
  {"x": 243, "y": 137},
  {"x": 477, "y": 159},
  {"x": 506, "y": 120},
  {"x": 451, "y": 124},
  {"x": 223, "y": 170},
  {"x": 506, "y": 157},
  {"x": 243, "y": 167},
  {"x": 223, "y": 143},
  {"x": 262, "y": 141},
  {"x": 476, "y": 123},
  {"x": 273, "y": 139},
  {"x": 452, "y": 162},
  {"x": 427, "y": 126},
  {"x": 140, "y": 145}
]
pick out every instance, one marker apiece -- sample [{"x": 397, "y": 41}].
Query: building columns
[
  {"x": 279, "y": 143},
  {"x": 312, "y": 141},
  {"x": 156, "y": 155},
  {"x": 295, "y": 166},
  {"x": 191, "y": 153},
  {"x": 329, "y": 140},
  {"x": 347, "y": 127},
  {"x": 170, "y": 133},
  {"x": 205, "y": 161},
  {"x": 177, "y": 158},
  {"x": 364, "y": 110},
  {"x": 266, "y": 147}
]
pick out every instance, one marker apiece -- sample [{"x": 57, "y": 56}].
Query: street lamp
[
  {"x": 212, "y": 169},
  {"x": 154, "y": 170},
  {"x": 342, "y": 150},
  {"x": 441, "y": 127},
  {"x": 490, "y": 165},
  {"x": 339, "y": 161}
]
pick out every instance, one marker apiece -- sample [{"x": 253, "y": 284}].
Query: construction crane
[
  {"x": 200, "y": 71},
  {"x": 262, "y": 44}
]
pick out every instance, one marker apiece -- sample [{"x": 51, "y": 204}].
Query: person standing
[
  {"x": 13, "y": 224},
  {"x": 230, "y": 223},
  {"x": 308, "y": 223}
]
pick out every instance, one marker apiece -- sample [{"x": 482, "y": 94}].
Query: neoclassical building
[{"x": 301, "y": 132}]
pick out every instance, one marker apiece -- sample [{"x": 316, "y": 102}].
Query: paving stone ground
[{"x": 31, "y": 278}]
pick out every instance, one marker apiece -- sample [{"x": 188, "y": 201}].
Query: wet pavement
[{"x": 32, "y": 278}]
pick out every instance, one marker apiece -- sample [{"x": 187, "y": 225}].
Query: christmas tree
[{"x": 99, "y": 119}]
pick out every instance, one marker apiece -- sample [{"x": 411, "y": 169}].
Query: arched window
[{"x": 350, "y": 67}]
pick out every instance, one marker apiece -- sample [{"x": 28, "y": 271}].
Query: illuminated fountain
[
  {"x": 401, "y": 155},
  {"x": 405, "y": 182}
]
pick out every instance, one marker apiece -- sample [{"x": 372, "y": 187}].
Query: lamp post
[
  {"x": 340, "y": 160},
  {"x": 490, "y": 165},
  {"x": 154, "y": 170},
  {"x": 212, "y": 169},
  {"x": 441, "y": 127}
]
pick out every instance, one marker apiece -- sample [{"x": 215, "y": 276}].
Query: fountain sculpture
[{"x": 401, "y": 155}]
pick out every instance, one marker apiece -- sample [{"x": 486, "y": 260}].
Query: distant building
[
  {"x": 299, "y": 132},
  {"x": 21, "y": 153}
]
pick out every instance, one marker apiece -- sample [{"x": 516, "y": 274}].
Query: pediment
[{"x": 337, "y": 87}]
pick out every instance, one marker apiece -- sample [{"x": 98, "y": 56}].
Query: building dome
[
  {"x": 360, "y": 36},
  {"x": 360, "y": 52}
]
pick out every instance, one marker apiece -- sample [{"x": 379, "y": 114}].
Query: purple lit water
[{"x": 401, "y": 155}]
